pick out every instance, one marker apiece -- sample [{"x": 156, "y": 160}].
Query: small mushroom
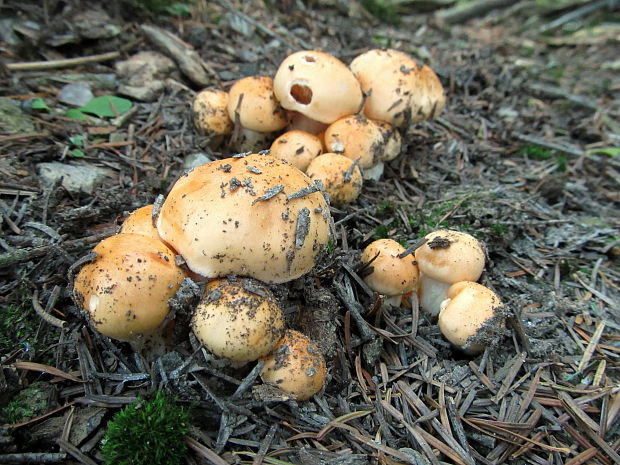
[
  {"x": 398, "y": 90},
  {"x": 445, "y": 258},
  {"x": 297, "y": 147},
  {"x": 210, "y": 112},
  {"x": 140, "y": 221},
  {"x": 391, "y": 275},
  {"x": 339, "y": 175},
  {"x": 252, "y": 215},
  {"x": 469, "y": 306},
  {"x": 238, "y": 319},
  {"x": 318, "y": 85},
  {"x": 253, "y": 105},
  {"x": 125, "y": 289},
  {"x": 295, "y": 366}
]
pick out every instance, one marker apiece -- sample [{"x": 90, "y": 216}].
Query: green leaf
[
  {"x": 107, "y": 106},
  {"x": 75, "y": 114},
  {"x": 78, "y": 141},
  {"x": 609, "y": 151},
  {"x": 77, "y": 153},
  {"x": 39, "y": 104},
  {"x": 178, "y": 9}
]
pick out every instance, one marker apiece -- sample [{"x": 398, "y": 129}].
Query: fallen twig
[{"x": 64, "y": 63}]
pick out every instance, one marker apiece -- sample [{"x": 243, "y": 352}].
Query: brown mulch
[{"x": 517, "y": 159}]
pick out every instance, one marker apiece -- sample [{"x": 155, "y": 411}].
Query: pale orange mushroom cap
[
  {"x": 210, "y": 112},
  {"x": 251, "y": 215},
  {"x": 253, "y": 101},
  {"x": 238, "y": 319},
  {"x": 140, "y": 221},
  {"x": 467, "y": 308},
  {"x": 297, "y": 147},
  {"x": 357, "y": 138},
  {"x": 295, "y": 366},
  {"x": 125, "y": 290},
  {"x": 318, "y": 85},
  {"x": 391, "y": 275},
  {"x": 341, "y": 178},
  {"x": 398, "y": 90}
]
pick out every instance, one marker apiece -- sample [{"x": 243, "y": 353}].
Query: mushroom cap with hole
[
  {"x": 340, "y": 176},
  {"x": 358, "y": 138},
  {"x": 238, "y": 319},
  {"x": 391, "y": 275},
  {"x": 252, "y": 100},
  {"x": 467, "y": 308},
  {"x": 250, "y": 215},
  {"x": 398, "y": 90},
  {"x": 210, "y": 112},
  {"x": 125, "y": 290},
  {"x": 295, "y": 366},
  {"x": 318, "y": 85},
  {"x": 140, "y": 221},
  {"x": 451, "y": 256},
  {"x": 297, "y": 147}
]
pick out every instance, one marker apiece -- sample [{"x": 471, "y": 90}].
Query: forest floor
[{"x": 525, "y": 157}]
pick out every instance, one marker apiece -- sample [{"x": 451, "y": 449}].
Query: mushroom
[
  {"x": 445, "y": 258},
  {"x": 390, "y": 275},
  {"x": 340, "y": 176},
  {"x": 295, "y": 366},
  {"x": 210, "y": 112},
  {"x": 318, "y": 85},
  {"x": 238, "y": 318},
  {"x": 140, "y": 221},
  {"x": 468, "y": 308},
  {"x": 398, "y": 90},
  {"x": 253, "y": 105},
  {"x": 363, "y": 139},
  {"x": 251, "y": 215},
  {"x": 125, "y": 289},
  {"x": 297, "y": 147}
]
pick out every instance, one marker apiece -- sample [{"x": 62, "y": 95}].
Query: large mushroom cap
[
  {"x": 296, "y": 366},
  {"x": 251, "y": 215},
  {"x": 318, "y": 85},
  {"x": 238, "y": 319},
  {"x": 252, "y": 103},
  {"x": 125, "y": 290},
  {"x": 398, "y": 90}
]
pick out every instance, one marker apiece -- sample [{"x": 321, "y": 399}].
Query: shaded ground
[{"x": 523, "y": 158}]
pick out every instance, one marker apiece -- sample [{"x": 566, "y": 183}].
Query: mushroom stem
[
  {"x": 393, "y": 300},
  {"x": 374, "y": 172},
  {"x": 432, "y": 293}
]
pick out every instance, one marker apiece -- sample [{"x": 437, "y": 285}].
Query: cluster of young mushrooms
[{"x": 241, "y": 223}]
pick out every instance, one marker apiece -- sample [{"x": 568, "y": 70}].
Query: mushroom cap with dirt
[
  {"x": 250, "y": 215},
  {"x": 125, "y": 289},
  {"x": 340, "y": 176},
  {"x": 297, "y": 147},
  {"x": 295, "y": 366},
  {"x": 391, "y": 275},
  {"x": 318, "y": 85},
  {"x": 238, "y": 319},
  {"x": 140, "y": 221},
  {"x": 210, "y": 112},
  {"x": 445, "y": 258},
  {"x": 253, "y": 105},
  {"x": 468, "y": 307},
  {"x": 398, "y": 90}
]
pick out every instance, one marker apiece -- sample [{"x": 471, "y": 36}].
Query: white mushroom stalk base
[
  {"x": 432, "y": 293},
  {"x": 373, "y": 173},
  {"x": 393, "y": 300}
]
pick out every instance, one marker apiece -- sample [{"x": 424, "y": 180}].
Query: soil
[{"x": 524, "y": 157}]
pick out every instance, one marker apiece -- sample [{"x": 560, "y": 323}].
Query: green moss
[
  {"x": 17, "y": 326},
  {"x": 383, "y": 10},
  {"x": 381, "y": 232},
  {"x": 147, "y": 433},
  {"x": 26, "y": 404}
]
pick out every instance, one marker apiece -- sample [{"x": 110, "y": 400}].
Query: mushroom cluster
[
  {"x": 316, "y": 105},
  {"x": 235, "y": 225},
  {"x": 443, "y": 272}
]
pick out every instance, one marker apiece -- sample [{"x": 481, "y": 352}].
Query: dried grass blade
[
  {"x": 204, "y": 451},
  {"x": 340, "y": 422},
  {"x": 587, "y": 355},
  {"x": 512, "y": 373},
  {"x": 575, "y": 411},
  {"x": 583, "y": 456},
  {"x": 32, "y": 366}
]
